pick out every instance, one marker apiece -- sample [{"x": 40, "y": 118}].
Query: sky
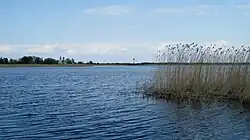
[{"x": 117, "y": 30}]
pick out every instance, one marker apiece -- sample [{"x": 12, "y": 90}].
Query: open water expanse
[{"x": 101, "y": 102}]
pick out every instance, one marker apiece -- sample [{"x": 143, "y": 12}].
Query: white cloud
[
  {"x": 68, "y": 48},
  {"x": 4, "y": 49},
  {"x": 92, "y": 48},
  {"x": 244, "y": 6},
  {"x": 41, "y": 49},
  {"x": 245, "y": 9},
  {"x": 99, "y": 51},
  {"x": 108, "y": 49},
  {"x": 189, "y": 10},
  {"x": 114, "y": 10},
  {"x": 220, "y": 43},
  {"x": 217, "y": 42}
]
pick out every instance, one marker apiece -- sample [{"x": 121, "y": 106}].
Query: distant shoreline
[
  {"x": 112, "y": 64},
  {"x": 67, "y": 65},
  {"x": 42, "y": 65},
  {"x": 63, "y": 65}
]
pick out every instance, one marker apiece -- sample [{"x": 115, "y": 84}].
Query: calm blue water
[{"x": 102, "y": 103}]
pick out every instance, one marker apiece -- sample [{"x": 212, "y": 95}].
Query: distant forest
[
  {"x": 61, "y": 60},
  {"x": 40, "y": 60}
]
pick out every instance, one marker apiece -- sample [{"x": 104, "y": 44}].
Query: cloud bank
[
  {"x": 108, "y": 52},
  {"x": 4, "y": 49}
]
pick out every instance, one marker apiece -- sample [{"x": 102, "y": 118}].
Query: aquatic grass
[{"x": 202, "y": 72}]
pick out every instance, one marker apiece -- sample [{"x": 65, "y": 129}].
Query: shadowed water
[{"x": 102, "y": 103}]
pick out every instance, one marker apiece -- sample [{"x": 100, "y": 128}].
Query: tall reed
[{"x": 193, "y": 71}]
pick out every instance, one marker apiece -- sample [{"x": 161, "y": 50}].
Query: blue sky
[{"x": 113, "y": 30}]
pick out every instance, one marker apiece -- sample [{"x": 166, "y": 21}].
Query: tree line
[{"x": 39, "y": 60}]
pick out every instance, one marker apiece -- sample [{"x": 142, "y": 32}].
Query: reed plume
[{"x": 193, "y": 71}]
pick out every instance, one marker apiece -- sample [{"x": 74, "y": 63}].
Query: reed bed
[{"x": 202, "y": 72}]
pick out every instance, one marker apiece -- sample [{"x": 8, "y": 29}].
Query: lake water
[{"x": 103, "y": 103}]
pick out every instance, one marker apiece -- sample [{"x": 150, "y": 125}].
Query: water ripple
[{"x": 102, "y": 103}]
